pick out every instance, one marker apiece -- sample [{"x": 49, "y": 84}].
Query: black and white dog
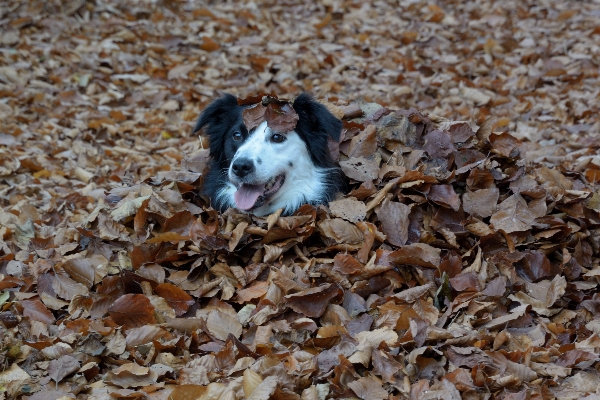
[{"x": 261, "y": 170}]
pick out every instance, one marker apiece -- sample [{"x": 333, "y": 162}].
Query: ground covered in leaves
[{"x": 463, "y": 263}]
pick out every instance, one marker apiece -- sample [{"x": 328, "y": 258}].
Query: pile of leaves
[
  {"x": 462, "y": 263},
  {"x": 452, "y": 268}
]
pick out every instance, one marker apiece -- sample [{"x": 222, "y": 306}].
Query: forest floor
[{"x": 464, "y": 263}]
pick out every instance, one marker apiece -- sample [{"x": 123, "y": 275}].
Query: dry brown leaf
[
  {"x": 368, "y": 388},
  {"x": 394, "y": 222},
  {"x": 481, "y": 202},
  {"x": 341, "y": 231},
  {"x": 131, "y": 375},
  {"x": 314, "y": 301},
  {"x": 37, "y": 311},
  {"x": 360, "y": 168},
  {"x": 178, "y": 299},
  {"x": 132, "y": 310},
  {"x": 445, "y": 196},
  {"x": 62, "y": 367},
  {"x": 348, "y": 209},
  {"x": 221, "y": 325},
  {"x": 254, "y": 116},
  {"x": 512, "y": 215},
  {"x": 281, "y": 116},
  {"x": 420, "y": 254}
]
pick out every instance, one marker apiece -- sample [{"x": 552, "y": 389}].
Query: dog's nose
[{"x": 242, "y": 167}]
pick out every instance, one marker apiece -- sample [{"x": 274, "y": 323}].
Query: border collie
[{"x": 261, "y": 170}]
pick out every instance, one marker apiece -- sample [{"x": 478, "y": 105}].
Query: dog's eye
[
  {"x": 277, "y": 138},
  {"x": 237, "y": 136}
]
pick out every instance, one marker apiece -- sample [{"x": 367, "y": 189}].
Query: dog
[{"x": 261, "y": 170}]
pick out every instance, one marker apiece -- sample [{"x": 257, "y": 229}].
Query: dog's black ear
[
  {"x": 217, "y": 112},
  {"x": 315, "y": 126},
  {"x": 317, "y": 116}
]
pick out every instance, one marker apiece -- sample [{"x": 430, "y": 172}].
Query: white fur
[{"x": 304, "y": 182}]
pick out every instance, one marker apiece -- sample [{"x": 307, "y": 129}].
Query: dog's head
[{"x": 267, "y": 169}]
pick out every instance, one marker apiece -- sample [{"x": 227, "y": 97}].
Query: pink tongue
[{"x": 246, "y": 196}]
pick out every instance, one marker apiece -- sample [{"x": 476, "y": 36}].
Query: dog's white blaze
[{"x": 304, "y": 182}]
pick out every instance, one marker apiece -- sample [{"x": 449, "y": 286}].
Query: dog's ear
[
  {"x": 217, "y": 112},
  {"x": 317, "y": 126},
  {"x": 317, "y": 117}
]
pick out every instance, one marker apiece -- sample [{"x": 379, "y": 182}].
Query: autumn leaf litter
[{"x": 462, "y": 263}]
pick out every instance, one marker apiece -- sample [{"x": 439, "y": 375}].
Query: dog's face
[
  {"x": 271, "y": 170},
  {"x": 262, "y": 170}
]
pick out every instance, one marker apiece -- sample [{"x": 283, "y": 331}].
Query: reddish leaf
[
  {"x": 281, "y": 116},
  {"x": 132, "y": 311},
  {"x": 465, "y": 282},
  {"x": 253, "y": 291},
  {"x": 179, "y": 300},
  {"x": 37, "y": 311},
  {"x": 445, "y": 196},
  {"x": 346, "y": 264},
  {"x": 535, "y": 266},
  {"x": 461, "y": 132},
  {"x": 83, "y": 270},
  {"x": 9, "y": 319},
  {"x": 480, "y": 179},
  {"x": 465, "y": 157},
  {"x": 172, "y": 237},
  {"x": 364, "y": 144},
  {"x": 180, "y": 223},
  {"x": 505, "y": 144},
  {"x": 416, "y": 254},
  {"x": 314, "y": 301},
  {"x": 254, "y": 116},
  {"x": 209, "y": 44}
]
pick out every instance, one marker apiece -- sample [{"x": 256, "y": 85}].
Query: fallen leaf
[
  {"x": 512, "y": 215},
  {"x": 481, "y": 202},
  {"x": 420, "y": 254},
  {"x": 37, "y": 311},
  {"x": 394, "y": 222},
  {"x": 360, "y": 168},
  {"x": 62, "y": 367},
  {"x": 368, "y": 388},
  {"x": 178, "y": 299},
  {"x": 221, "y": 325},
  {"x": 314, "y": 301},
  {"x": 341, "y": 231},
  {"x": 445, "y": 196},
  {"x": 131, "y": 375},
  {"x": 281, "y": 116},
  {"x": 132, "y": 310},
  {"x": 348, "y": 209},
  {"x": 254, "y": 115}
]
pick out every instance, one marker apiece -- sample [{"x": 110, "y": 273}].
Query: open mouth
[{"x": 248, "y": 196}]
